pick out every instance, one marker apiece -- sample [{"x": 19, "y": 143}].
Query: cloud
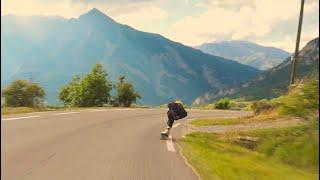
[
  {"x": 140, "y": 14},
  {"x": 65, "y": 8},
  {"x": 139, "y": 19},
  {"x": 248, "y": 20},
  {"x": 111, "y": 1},
  {"x": 226, "y": 4},
  {"x": 74, "y": 8},
  {"x": 268, "y": 22}
]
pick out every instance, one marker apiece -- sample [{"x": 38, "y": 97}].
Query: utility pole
[{"x": 296, "y": 53}]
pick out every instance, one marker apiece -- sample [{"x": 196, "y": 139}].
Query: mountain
[
  {"x": 246, "y": 52},
  {"x": 274, "y": 82},
  {"x": 50, "y": 50}
]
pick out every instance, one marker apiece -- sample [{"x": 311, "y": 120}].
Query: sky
[{"x": 193, "y": 22}]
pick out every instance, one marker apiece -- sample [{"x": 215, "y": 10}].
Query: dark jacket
[{"x": 177, "y": 111}]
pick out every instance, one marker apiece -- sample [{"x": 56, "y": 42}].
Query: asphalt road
[{"x": 90, "y": 144}]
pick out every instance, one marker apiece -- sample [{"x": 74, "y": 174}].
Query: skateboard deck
[{"x": 164, "y": 136}]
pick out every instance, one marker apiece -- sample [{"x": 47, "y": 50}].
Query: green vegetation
[
  {"x": 204, "y": 106},
  {"x": 233, "y": 121},
  {"x": 288, "y": 153},
  {"x": 297, "y": 146},
  {"x": 282, "y": 153},
  {"x": 126, "y": 94},
  {"x": 233, "y": 104},
  {"x": 94, "y": 90},
  {"x": 262, "y": 106},
  {"x": 139, "y": 106},
  {"x": 22, "y": 93},
  {"x": 223, "y": 103},
  {"x": 240, "y": 104},
  {"x": 301, "y": 100},
  {"x": 15, "y": 110},
  {"x": 69, "y": 94},
  {"x": 213, "y": 122}
]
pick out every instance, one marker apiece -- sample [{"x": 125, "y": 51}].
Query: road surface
[{"x": 94, "y": 144}]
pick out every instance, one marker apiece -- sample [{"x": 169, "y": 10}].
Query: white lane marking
[
  {"x": 66, "y": 113},
  {"x": 176, "y": 125},
  {"x": 26, "y": 117},
  {"x": 170, "y": 145},
  {"x": 123, "y": 109},
  {"x": 37, "y": 112},
  {"x": 97, "y": 110}
]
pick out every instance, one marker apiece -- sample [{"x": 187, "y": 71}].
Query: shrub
[
  {"x": 301, "y": 100},
  {"x": 23, "y": 93},
  {"x": 126, "y": 94},
  {"x": 262, "y": 106},
  {"x": 223, "y": 103}
]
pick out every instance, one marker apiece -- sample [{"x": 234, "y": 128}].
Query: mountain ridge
[
  {"x": 52, "y": 51},
  {"x": 246, "y": 52},
  {"x": 274, "y": 82}
]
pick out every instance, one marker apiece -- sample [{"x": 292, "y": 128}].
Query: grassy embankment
[
  {"x": 288, "y": 153},
  {"x": 235, "y": 104},
  {"x": 283, "y": 153},
  {"x": 232, "y": 121},
  {"x": 17, "y": 110}
]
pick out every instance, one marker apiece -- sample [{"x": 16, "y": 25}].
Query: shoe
[{"x": 166, "y": 131}]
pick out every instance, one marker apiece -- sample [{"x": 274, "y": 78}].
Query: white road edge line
[
  {"x": 170, "y": 145},
  {"x": 66, "y": 113},
  {"x": 176, "y": 125},
  {"x": 26, "y": 117}
]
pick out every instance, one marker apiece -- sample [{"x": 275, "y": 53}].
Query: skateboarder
[{"x": 176, "y": 112}]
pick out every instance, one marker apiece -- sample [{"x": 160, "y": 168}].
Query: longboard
[{"x": 164, "y": 136}]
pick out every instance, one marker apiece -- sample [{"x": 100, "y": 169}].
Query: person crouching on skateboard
[{"x": 175, "y": 112}]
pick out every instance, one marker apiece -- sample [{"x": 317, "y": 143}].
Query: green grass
[
  {"x": 297, "y": 146},
  {"x": 16, "y": 110},
  {"x": 235, "y": 104},
  {"x": 288, "y": 153},
  {"x": 300, "y": 101},
  {"x": 233, "y": 121},
  {"x": 213, "y": 122}
]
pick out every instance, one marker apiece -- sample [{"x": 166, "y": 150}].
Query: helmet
[{"x": 178, "y": 101}]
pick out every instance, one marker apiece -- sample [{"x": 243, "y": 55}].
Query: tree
[
  {"x": 23, "y": 93},
  {"x": 223, "y": 103},
  {"x": 95, "y": 87},
  {"x": 70, "y": 93},
  {"x": 92, "y": 90},
  {"x": 126, "y": 95}
]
